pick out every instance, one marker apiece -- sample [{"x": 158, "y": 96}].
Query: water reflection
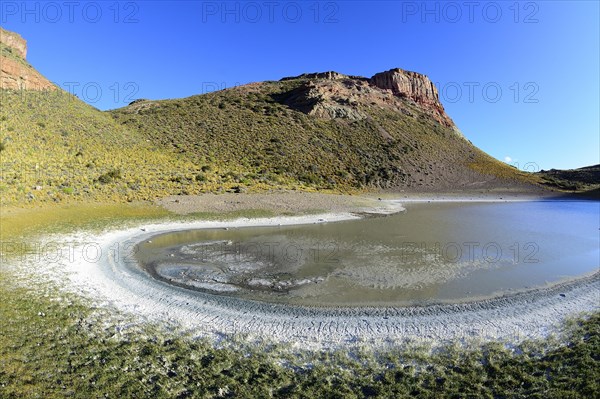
[{"x": 430, "y": 253}]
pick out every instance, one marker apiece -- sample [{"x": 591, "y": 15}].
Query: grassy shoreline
[{"x": 56, "y": 345}]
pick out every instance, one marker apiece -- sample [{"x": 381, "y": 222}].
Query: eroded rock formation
[
  {"x": 15, "y": 72},
  {"x": 414, "y": 86},
  {"x": 335, "y": 95}
]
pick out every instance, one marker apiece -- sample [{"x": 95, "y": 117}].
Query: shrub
[
  {"x": 201, "y": 177},
  {"x": 309, "y": 178},
  {"x": 109, "y": 176}
]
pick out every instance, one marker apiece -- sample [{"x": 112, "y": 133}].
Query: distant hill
[
  {"x": 586, "y": 179},
  {"x": 320, "y": 131}
]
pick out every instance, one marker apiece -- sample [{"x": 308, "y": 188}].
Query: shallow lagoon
[{"x": 434, "y": 252}]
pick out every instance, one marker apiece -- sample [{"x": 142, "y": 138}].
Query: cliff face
[
  {"x": 407, "y": 84},
  {"x": 14, "y": 41},
  {"x": 414, "y": 86},
  {"x": 15, "y": 72},
  {"x": 334, "y": 95}
]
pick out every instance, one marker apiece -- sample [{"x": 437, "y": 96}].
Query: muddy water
[{"x": 432, "y": 252}]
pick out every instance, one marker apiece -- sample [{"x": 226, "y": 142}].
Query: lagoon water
[{"x": 431, "y": 253}]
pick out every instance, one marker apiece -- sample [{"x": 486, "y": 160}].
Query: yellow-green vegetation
[
  {"x": 484, "y": 164},
  {"x": 251, "y": 131},
  {"x": 20, "y": 223},
  {"x": 55, "y": 148},
  {"x": 584, "y": 180},
  {"x": 55, "y": 346}
]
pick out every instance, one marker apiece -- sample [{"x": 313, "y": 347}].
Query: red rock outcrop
[
  {"x": 15, "y": 72},
  {"x": 14, "y": 41},
  {"x": 332, "y": 94},
  {"x": 414, "y": 86}
]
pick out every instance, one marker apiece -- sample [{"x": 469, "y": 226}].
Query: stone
[
  {"x": 332, "y": 95},
  {"x": 414, "y": 86},
  {"x": 14, "y": 41},
  {"x": 15, "y": 72}
]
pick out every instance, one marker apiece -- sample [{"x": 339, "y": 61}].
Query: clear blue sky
[{"x": 520, "y": 79}]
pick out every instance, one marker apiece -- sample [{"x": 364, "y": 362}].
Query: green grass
[
  {"x": 55, "y": 345},
  {"x": 53, "y": 348}
]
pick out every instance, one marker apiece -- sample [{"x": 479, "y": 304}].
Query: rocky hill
[
  {"x": 15, "y": 72},
  {"x": 321, "y": 131}
]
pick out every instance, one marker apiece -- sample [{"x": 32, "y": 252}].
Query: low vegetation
[
  {"x": 58, "y": 346},
  {"x": 582, "y": 180},
  {"x": 55, "y": 345},
  {"x": 254, "y": 128},
  {"x": 55, "y": 148}
]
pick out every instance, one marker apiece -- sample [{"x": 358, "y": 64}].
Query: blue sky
[{"x": 520, "y": 79}]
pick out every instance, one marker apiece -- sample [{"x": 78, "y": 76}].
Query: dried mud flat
[
  {"x": 116, "y": 281},
  {"x": 282, "y": 202}
]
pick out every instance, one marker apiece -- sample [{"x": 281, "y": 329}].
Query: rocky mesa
[
  {"x": 15, "y": 72},
  {"x": 414, "y": 86},
  {"x": 335, "y": 95}
]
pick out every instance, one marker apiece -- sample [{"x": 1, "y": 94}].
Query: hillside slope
[
  {"x": 54, "y": 147},
  {"x": 324, "y": 130},
  {"x": 584, "y": 180}
]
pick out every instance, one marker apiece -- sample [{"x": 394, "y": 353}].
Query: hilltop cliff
[
  {"x": 335, "y": 95},
  {"x": 414, "y": 86},
  {"x": 15, "y": 72}
]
